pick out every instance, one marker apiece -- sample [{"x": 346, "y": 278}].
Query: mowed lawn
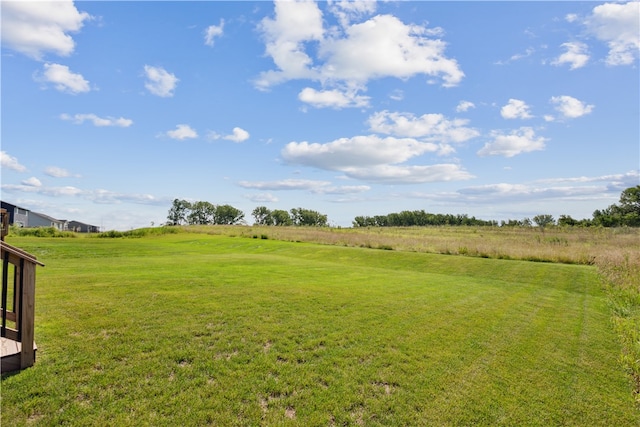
[{"x": 194, "y": 330}]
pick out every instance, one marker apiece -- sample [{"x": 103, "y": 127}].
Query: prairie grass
[
  {"x": 196, "y": 329},
  {"x": 621, "y": 276},
  {"x": 568, "y": 245}
]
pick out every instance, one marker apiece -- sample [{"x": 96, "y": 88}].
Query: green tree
[
  {"x": 262, "y": 216},
  {"x": 281, "y": 217},
  {"x": 544, "y": 220},
  {"x": 228, "y": 215},
  {"x": 567, "y": 220},
  {"x": 629, "y": 207},
  {"x": 627, "y": 212},
  {"x": 308, "y": 217},
  {"x": 178, "y": 212},
  {"x": 202, "y": 213}
]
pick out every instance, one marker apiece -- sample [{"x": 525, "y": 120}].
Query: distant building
[
  {"x": 36, "y": 219},
  {"x": 22, "y": 217},
  {"x": 81, "y": 227}
]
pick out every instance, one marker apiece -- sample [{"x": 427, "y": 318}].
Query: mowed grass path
[{"x": 210, "y": 330}]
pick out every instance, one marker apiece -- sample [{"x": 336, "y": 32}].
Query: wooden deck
[{"x": 10, "y": 352}]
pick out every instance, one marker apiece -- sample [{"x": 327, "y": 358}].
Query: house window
[{"x": 21, "y": 211}]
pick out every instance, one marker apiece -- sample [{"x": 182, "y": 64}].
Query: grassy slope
[{"x": 192, "y": 329}]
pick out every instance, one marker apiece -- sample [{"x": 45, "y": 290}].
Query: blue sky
[{"x": 110, "y": 110}]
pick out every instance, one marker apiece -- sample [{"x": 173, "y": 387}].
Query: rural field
[{"x": 319, "y": 327}]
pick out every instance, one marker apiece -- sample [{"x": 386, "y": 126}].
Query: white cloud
[
  {"x": 238, "y": 135},
  {"x": 332, "y": 98},
  {"x": 182, "y": 132},
  {"x": 519, "y": 141},
  {"x": 294, "y": 24},
  {"x": 431, "y": 127},
  {"x": 315, "y": 187},
  {"x": 63, "y": 79},
  {"x": 398, "y": 174},
  {"x": 342, "y": 189},
  {"x": 212, "y": 32},
  {"x": 97, "y": 196},
  {"x": 359, "y": 151},
  {"x": 32, "y": 182},
  {"x": 571, "y": 17},
  {"x": 397, "y": 95},
  {"x": 617, "y": 25},
  {"x": 35, "y": 28},
  {"x": 386, "y": 47},
  {"x": 159, "y": 81},
  {"x": 571, "y": 107},
  {"x": 46, "y": 191},
  {"x": 262, "y": 198},
  {"x": 572, "y": 188},
  {"x": 56, "y": 172},
  {"x": 620, "y": 180},
  {"x": 98, "y": 121},
  {"x": 518, "y": 56},
  {"x": 350, "y": 56},
  {"x": 576, "y": 55},
  {"x": 10, "y": 162},
  {"x": 347, "y": 11},
  {"x": 464, "y": 106},
  {"x": 516, "y": 109},
  {"x": 285, "y": 184}
]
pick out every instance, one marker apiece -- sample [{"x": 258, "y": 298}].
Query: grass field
[{"x": 198, "y": 329}]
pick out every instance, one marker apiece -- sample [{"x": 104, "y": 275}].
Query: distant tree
[
  {"x": 629, "y": 207},
  {"x": 228, "y": 215},
  {"x": 178, "y": 212},
  {"x": 418, "y": 219},
  {"x": 364, "y": 221},
  {"x": 202, "y": 213},
  {"x": 512, "y": 223},
  {"x": 308, "y": 217},
  {"x": 626, "y": 213},
  {"x": 544, "y": 220},
  {"x": 566, "y": 220},
  {"x": 281, "y": 217},
  {"x": 262, "y": 216}
]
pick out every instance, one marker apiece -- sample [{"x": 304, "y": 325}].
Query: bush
[
  {"x": 40, "y": 232},
  {"x": 140, "y": 232}
]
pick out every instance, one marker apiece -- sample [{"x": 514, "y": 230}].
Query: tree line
[
  {"x": 183, "y": 212},
  {"x": 203, "y": 213},
  {"x": 624, "y": 213},
  {"x": 418, "y": 218},
  {"x": 296, "y": 216}
]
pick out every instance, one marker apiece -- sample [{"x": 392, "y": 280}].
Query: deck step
[{"x": 10, "y": 352}]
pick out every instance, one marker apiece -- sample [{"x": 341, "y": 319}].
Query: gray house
[
  {"x": 41, "y": 220},
  {"x": 81, "y": 227},
  {"x": 26, "y": 218}
]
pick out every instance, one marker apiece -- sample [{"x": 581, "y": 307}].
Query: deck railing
[{"x": 18, "y": 305}]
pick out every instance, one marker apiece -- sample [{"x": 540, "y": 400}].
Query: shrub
[{"x": 40, "y": 232}]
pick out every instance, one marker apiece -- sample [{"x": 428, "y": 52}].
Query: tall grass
[
  {"x": 621, "y": 274},
  {"x": 556, "y": 244}
]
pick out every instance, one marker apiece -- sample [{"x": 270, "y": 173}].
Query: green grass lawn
[{"x": 191, "y": 329}]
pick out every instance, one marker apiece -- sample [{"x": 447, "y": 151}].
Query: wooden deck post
[{"x": 27, "y": 318}]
